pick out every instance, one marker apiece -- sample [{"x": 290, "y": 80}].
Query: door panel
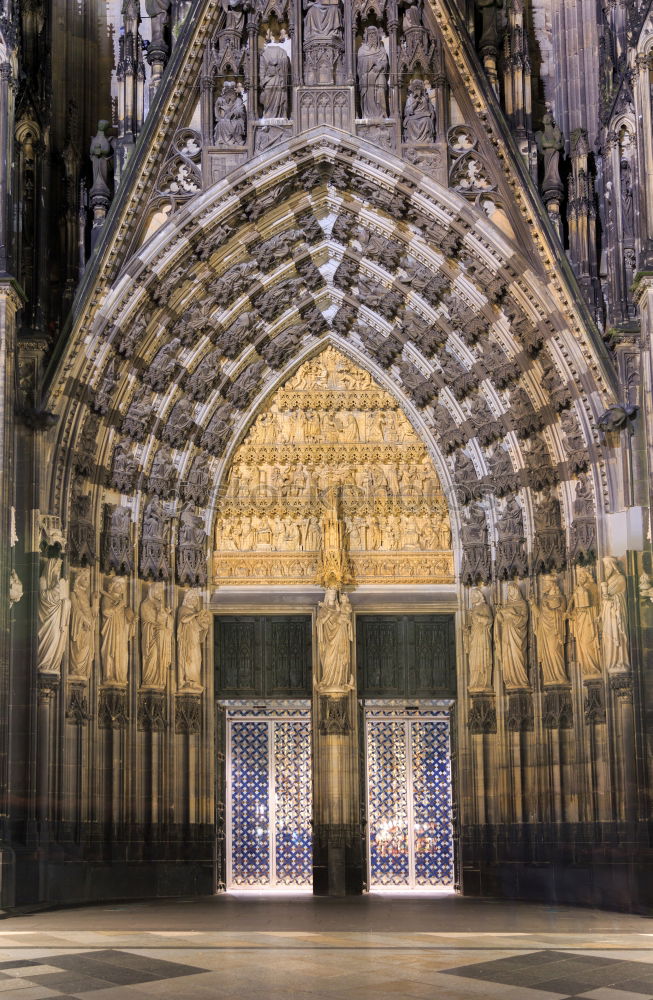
[{"x": 409, "y": 799}]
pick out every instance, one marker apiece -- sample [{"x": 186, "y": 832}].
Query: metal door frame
[
  {"x": 270, "y": 712},
  {"x": 406, "y": 710}
]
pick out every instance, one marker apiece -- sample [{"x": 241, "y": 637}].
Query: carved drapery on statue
[
  {"x": 53, "y": 616},
  {"x": 335, "y": 635},
  {"x": 478, "y": 642},
  {"x": 192, "y": 626},
  {"x": 117, "y": 630},
  {"x": 331, "y": 434},
  {"x": 510, "y": 635},
  {"x": 614, "y": 618},
  {"x": 83, "y": 618}
]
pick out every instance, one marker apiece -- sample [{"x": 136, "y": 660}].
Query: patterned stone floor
[{"x": 366, "y": 949}]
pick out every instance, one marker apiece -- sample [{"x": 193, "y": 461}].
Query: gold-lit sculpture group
[{"x": 332, "y": 472}]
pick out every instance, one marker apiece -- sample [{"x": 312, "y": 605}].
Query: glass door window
[
  {"x": 269, "y": 842},
  {"x": 409, "y": 798}
]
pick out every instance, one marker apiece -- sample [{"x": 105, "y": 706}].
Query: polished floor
[{"x": 253, "y": 947}]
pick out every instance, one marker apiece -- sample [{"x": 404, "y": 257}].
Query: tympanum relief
[{"x": 332, "y": 455}]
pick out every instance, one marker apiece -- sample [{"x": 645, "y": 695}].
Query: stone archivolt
[{"x": 331, "y": 427}]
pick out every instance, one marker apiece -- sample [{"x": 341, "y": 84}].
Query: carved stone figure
[
  {"x": 179, "y": 426},
  {"x": 274, "y": 74},
  {"x": 510, "y": 631},
  {"x": 163, "y": 474},
  {"x": 196, "y": 487},
  {"x": 479, "y": 642},
  {"x": 372, "y": 61},
  {"x": 323, "y": 44},
  {"x": 15, "y": 588},
  {"x": 117, "y": 549},
  {"x": 614, "y": 617},
  {"x": 154, "y": 542},
  {"x": 511, "y": 559},
  {"x": 191, "y": 548},
  {"x": 419, "y": 114},
  {"x": 192, "y": 626},
  {"x": 136, "y": 420},
  {"x": 156, "y": 638},
  {"x": 583, "y": 615},
  {"x": 101, "y": 399},
  {"x": 230, "y": 117},
  {"x": 53, "y": 617},
  {"x": 101, "y": 154},
  {"x": 81, "y": 531},
  {"x": 549, "y": 628},
  {"x": 124, "y": 470},
  {"x": 159, "y": 13},
  {"x": 83, "y": 617},
  {"x": 334, "y": 635},
  {"x": 550, "y": 144},
  {"x": 163, "y": 367},
  {"x": 117, "y": 630},
  {"x": 549, "y": 547}
]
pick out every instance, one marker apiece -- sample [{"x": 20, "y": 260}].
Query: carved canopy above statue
[{"x": 331, "y": 430}]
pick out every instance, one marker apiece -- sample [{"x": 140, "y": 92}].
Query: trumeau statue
[
  {"x": 54, "y": 616},
  {"x": 274, "y": 74},
  {"x": 192, "y": 626},
  {"x": 372, "y": 61},
  {"x": 419, "y": 114},
  {"x": 583, "y": 615},
  {"x": 156, "y": 638},
  {"x": 334, "y": 635},
  {"x": 230, "y": 117},
  {"x": 510, "y": 629},
  {"x": 118, "y": 624},
  {"x": 614, "y": 617},
  {"x": 478, "y": 642},
  {"x": 549, "y": 627},
  {"x": 83, "y": 617}
]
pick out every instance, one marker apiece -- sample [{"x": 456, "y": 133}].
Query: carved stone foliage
[
  {"x": 549, "y": 551},
  {"x": 331, "y": 430},
  {"x": 191, "y": 549},
  {"x": 81, "y": 531},
  {"x": 468, "y": 173},
  {"x": 181, "y": 174},
  {"x": 188, "y": 713},
  {"x": 117, "y": 548},
  {"x": 482, "y": 716},
  {"x": 511, "y": 557},
  {"x": 113, "y": 708},
  {"x": 155, "y": 542},
  {"x": 519, "y": 716},
  {"x": 152, "y": 711},
  {"x": 557, "y": 709}
]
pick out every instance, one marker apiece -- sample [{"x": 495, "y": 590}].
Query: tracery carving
[{"x": 331, "y": 437}]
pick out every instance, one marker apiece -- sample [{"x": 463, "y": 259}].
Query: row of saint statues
[
  {"x": 300, "y": 481},
  {"x": 69, "y": 620},
  {"x": 594, "y": 616},
  {"x": 312, "y": 426},
  {"x": 261, "y": 533}
]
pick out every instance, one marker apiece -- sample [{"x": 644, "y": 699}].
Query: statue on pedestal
[
  {"x": 614, "y": 617},
  {"x": 372, "y": 61},
  {"x": 334, "y": 636},
  {"x": 118, "y": 624},
  {"x": 583, "y": 615},
  {"x": 54, "y": 617},
  {"x": 549, "y": 626},
  {"x": 156, "y": 638},
  {"x": 192, "y": 626},
  {"x": 510, "y": 628},
  {"x": 83, "y": 616},
  {"x": 478, "y": 642},
  {"x": 274, "y": 76}
]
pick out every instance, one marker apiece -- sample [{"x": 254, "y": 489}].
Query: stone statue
[
  {"x": 549, "y": 627},
  {"x": 419, "y": 114},
  {"x": 83, "y": 616},
  {"x": 54, "y": 616},
  {"x": 192, "y": 626},
  {"x": 510, "y": 628},
  {"x": 478, "y": 642},
  {"x": 156, "y": 638},
  {"x": 372, "y": 74},
  {"x": 15, "y": 588},
  {"x": 550, "y": 144},
  {"x": 230, "y": 117},
  {"x": 323, "y": 20},
  {"x": 274, "y": 74},
  {"x": 645, "y": 586},
  {"x": 118, "y": 625},
  {"x": 334, "y": 636},
  {"x": 159, "y": 13},
  {"x": 583, "y": 615},
  {"x": 614, "y": 617},
  {"x": 101, "y": 152}
]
